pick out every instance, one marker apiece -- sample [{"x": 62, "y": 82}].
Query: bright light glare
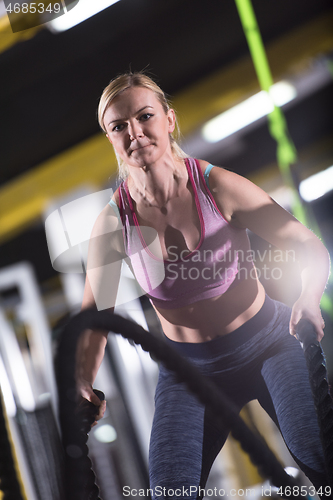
[
  {"x": 248, "y": 111},
  {"x": 105, "y": 433},
  {"x": 82, "y": 11},
  {"x": 317, "y": 185},
  {"x": 13, "y": 361},
  {"x": 7, "y": 391}
]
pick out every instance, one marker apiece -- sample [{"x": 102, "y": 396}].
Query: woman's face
[{"x": 138, "y": 127}]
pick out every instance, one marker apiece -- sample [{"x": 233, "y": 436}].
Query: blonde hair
[{"x": 126, "y": 81}]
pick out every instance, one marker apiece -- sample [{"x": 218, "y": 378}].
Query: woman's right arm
[{"x": 103, "y": 273}]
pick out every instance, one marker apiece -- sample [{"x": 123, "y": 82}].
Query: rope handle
[
  {"x": 88, "y": 411},
  {"x": 306, "y": 334},
  {"x": 318, "y": 378}
]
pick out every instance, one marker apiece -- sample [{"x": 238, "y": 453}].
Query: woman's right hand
[{"x": 85, "y": 390}]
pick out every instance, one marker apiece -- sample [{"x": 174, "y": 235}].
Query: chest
[{"x": 178, "y": 224}]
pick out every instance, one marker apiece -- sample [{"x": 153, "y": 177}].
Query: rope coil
[
  {"x": 207, "y": 392},
  {"x": 316, "y": 364}
]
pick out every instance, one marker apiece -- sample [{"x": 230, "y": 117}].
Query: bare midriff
[{"x": 207, "y": 319}]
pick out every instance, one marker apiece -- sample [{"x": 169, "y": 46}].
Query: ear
[
  {"x": 171, "y": 120},
  {"x": 106, "y": 135}
]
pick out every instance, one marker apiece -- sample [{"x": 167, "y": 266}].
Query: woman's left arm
[{"x": 245, "y": 205}]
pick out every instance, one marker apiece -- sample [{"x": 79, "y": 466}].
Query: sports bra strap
[{"x": 206, "y": 174}]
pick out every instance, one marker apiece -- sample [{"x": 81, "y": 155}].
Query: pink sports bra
[{"x": 221, "y": 259}]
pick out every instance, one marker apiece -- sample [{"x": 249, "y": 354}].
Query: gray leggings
[{"x": 260, "y": 360}]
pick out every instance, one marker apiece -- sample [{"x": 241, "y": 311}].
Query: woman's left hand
[{"x": 307, "y": 308}]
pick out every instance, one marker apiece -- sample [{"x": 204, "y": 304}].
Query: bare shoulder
[
  {"x": 233, "y": 193},
  {"x": 107, "y": 221},
  {"x": 236, "y": 184},
  {"x": 203, "y": 165},
  {"x": 246, "y": 205},
  {"x": 221, "y": 178},
  {"x": 115, "y": 197}
]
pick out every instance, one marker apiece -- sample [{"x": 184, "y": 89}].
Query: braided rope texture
[
  {"x": 316, "y": 364},
  {"x": 80, "y": 479}
]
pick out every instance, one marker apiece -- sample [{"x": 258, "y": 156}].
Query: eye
[
  {"x": 118, "y": 128},
  {"x": 146, "y": 116}
]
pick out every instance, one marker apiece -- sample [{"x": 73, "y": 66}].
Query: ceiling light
[
  {"x": 106, "y": 433},
  {"x": 317, "y": 185},
  {"x": 82, "y": 11},
  {"x": 248, "y": 111}
]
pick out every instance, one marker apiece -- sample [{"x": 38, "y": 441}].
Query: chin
[{"x": 145, "y": 158}]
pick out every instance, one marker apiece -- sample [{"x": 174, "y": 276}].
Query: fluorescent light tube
[
  {"x": 82, "y": 11},
  {"x": 247, "y": 112},
  {"x": 317, "y": 185}
]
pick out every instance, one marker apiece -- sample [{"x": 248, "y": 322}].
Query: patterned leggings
[{"x": 260, "y": 360}]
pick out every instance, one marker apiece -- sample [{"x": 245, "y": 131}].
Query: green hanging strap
[{"x": 286, "y": 151}]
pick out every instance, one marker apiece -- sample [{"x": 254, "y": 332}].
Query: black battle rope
[
  {"x": 81, "y": 486},
  {"x": 316, "y": 364},
  {"x": 9, "y": 484}
]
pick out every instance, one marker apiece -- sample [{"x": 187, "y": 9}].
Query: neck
[{"x": 157, "y": 183}]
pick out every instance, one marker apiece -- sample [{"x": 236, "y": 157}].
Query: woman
[{"x": 211, "y": 305}]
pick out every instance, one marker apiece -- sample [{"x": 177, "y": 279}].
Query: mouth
[{"x": 138, "y": 148}]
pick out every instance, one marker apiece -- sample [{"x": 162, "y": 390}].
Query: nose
[{"x": 134, "y": 131}]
